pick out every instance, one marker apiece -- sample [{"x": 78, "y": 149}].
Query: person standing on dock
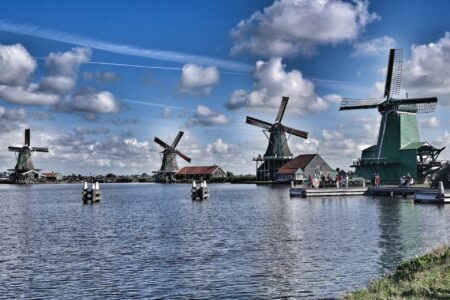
[{"x": 377, "y": 180}]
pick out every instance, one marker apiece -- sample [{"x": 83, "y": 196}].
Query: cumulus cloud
[
  {"x": 426, "y": 73},
  {"x": 62, "y": 70},
  {"x": 101, "y": 77},
  {"x": 16, "y": 65},
  {"x": 11, "y": 120},
  {"x": 91, "y": 102},
  {"x": 431, "y": 122},
  {"x": 272, "y": 82},
  {"x": 374, "y": 47},
  {"x": 204, "y": 116},
  {"x": 288, "y": 27},
  {"x": 56, "y": 88},
  {"x": 113, "y": 153},
  {"x": 198, "y": 80},
  {"x": 219, "y": 147},
  {"x": 26, "y": 95}
]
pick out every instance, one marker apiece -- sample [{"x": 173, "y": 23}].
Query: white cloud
[
  {"x": 95, "y": 102},
  {"x": 374, "y": 47},
  {"x": 204, "y": 116},
  {"x": 426, "y": 73},
  {"x": 431, "y": 122},
  {"x": 62, "y": 70},
  {"x": 198, "y": 80},
  {"x": 16, "y": 65},
  {"x": 288, "y": 27},
  {"x": 272, "y": 82},
  {"x": 218, "y": 147},
  {"x": 26, "y": 96}
]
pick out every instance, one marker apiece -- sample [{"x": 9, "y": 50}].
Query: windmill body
[
  {"x": 277, "y": 152},
  {"x": 398, "y": 150},
  {"x": 24, "y": 170},
  {"x": 169, "y": 166}
]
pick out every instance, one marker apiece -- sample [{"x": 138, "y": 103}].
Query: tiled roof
[
  {"x": 299, "y": 162},
  {"x": 200, "y": 170}
]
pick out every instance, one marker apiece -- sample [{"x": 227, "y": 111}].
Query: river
[{"x": 152, "y": 241}]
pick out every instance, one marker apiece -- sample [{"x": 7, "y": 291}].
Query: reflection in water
[{"x": 152, "y": 241}]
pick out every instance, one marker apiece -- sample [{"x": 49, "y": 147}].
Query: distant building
[
  {"x": 204, "y": 172},
  {"x": 302, "y": 166},
  {"x": 52, "y": 176}
]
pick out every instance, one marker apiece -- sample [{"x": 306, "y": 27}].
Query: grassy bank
[{"x": 425, "y": 277}]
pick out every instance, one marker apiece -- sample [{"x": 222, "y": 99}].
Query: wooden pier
[
  {"x": 323, "y": 192},
  {"x": 421, "y": 194}
]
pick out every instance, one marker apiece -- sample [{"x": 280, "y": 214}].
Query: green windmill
[{"x": 399, "y": 150}]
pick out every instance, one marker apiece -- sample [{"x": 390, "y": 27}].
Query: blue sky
[{"x": 97, "y": 81}]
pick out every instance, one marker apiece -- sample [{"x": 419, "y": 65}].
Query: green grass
[{"x": 425, "y": 277}]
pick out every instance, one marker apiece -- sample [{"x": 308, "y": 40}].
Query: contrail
[
  {"x": 144, "y": 66},
  {"x": 36, "y": 31},
  {"x": 155, "y": 104}
]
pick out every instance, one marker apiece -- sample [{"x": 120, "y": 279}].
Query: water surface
[{"x": 153, "y": 241}]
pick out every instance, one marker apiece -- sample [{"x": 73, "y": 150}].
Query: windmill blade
[
  {"x": 161, "y": 143},
  {"x": 15, "y": 149},
  {"x": 394, "y": 73},
  {"x": 177, "y": 138},
  {"x": 185, "y": 157},
  {"x": 348, "y": 104},
  {"x": 259, "y": 123},
  {"x": 284, "y": 102},
  {"x": 40, "y": 149},
  {"x": 296, "y": 132},
  {"x": 27, "y": 137},
  {"x": 415, "y": 100},
  {"x": 416, "y": 105}
]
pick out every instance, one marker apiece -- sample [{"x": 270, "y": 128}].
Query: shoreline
[{"x": 423, "y": 277}]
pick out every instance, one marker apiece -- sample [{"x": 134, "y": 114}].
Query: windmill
[
  {"x": 277, "y": 153},
  {"x": 398, "y": 150},
  {"x": 24, "y": 171},
  {"x": 169, "y": 166}
]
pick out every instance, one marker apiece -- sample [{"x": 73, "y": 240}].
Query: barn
[
  {"x": 302, "y": 166},
  {"x": 201, "y": 172}
]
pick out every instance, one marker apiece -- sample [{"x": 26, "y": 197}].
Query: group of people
[
  {"x": 406, "y": 181},
  {"x": 319, "y": 180}
]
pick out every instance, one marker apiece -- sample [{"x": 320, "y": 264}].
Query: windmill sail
[
  {"x": 281, "y": 109},
  {"x": 348, "y": 103},
  {"x": 177, "y": 139},
  {"x": 259, "y": 123},
  {"x": 394, "y": 73}
]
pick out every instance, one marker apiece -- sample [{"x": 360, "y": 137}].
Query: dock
[{"x": 311, "y": 192}]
